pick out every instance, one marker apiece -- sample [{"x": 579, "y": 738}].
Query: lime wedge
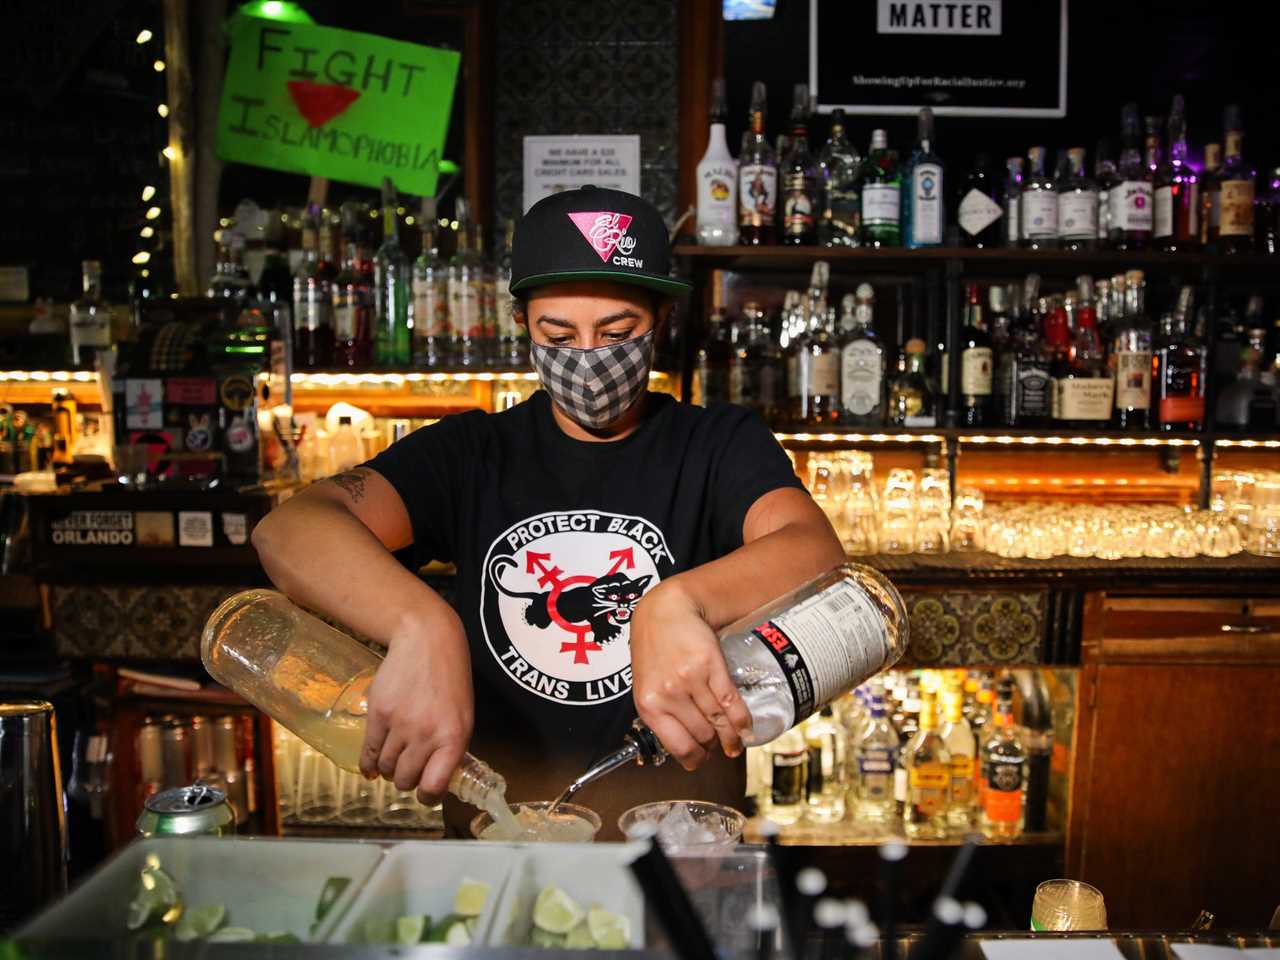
[
  {"x": 470, "y": 898},
  {"x": 200, "y": 921},
  {"x": 555, "y": 911},
  {"x": 410, "y": 929},
  {"x": 279, "y": 936},
  {"x": 580, "y": 938},
  {"x": 157, "y": 896},
  {"x": 610, "y": 931},
  {"x": 458, "y": 935},
  {"x": 232, "y": 935},
  {"x": 440, "y": 930},
  {"x": 548, "y": 941}
]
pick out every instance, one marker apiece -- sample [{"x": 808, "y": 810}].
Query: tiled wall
[{"x": 567, "y": 66}]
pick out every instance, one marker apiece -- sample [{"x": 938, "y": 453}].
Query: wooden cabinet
[{"x": 1176, "y": 774}]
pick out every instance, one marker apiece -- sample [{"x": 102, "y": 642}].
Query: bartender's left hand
[{"x": 681, "y": 683}]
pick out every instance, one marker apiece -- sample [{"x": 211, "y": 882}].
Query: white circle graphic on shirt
[{"x": 557, "y": 596}]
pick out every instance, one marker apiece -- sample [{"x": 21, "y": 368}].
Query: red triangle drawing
[{"x": 321, "y": 102}]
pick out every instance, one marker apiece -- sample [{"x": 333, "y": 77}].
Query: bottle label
[
  {"x": 430, "y": 307},
  {"x": 1236, "y": 214},
  {"x": 797, "y": 207},
  {"x": 757, "y": 195},
  {"x": 900, "y": 784},
  {"x": 1002, "y": 798},
  {"x": 875, "y": 760},
  {"x": 504, "y": 315},
  {"x": 465, "y": 298},
  {"x": 961, "y": 780},
  {"x": 945, "y": 374},
  {"x": 929, "y": 783},
  {"x": 861, "y": 377},
  {"x": 926, "y": 204},
  {"x": 1083, "y": 398},
  {"x": 789, "y": 778},
  {"x": 349, "y": 304},
  {"x": 824, "y": 375},
  {"x": 1104, "y": 214},
  {"x": 1034, "y": 389},
  {"x": 312, "y": 304},
  {"x": 1078, "y": 215},
  {"x": 826, "y": 643},
  {"x": 1131, "y": 204},
  {"x": 1133, "y": 380},
  {"x": 975, "y": 372},
  {"x": 977, "y": 212},
  {"x": 842, "y": 214},
  {"x": 1039, "y": 215},
  {"x": 880, "y": 204},
  {"x": 717, "y": 194},
  {"x": 1164, "y": 212},
  {"x": 1181, "y": 409},
  {"x": 1013, "y": 226}
]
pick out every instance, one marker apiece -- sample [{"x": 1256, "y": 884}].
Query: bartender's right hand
[{"x": 421, "y": 708}]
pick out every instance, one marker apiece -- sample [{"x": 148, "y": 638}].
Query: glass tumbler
[{"x": 317, "y": 796}]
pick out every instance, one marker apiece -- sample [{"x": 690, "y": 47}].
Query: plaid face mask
[{"x": 595, "y": 387}]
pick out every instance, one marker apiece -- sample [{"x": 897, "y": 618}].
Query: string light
[
  {"x": 148, "y": 192},
  {"x": 169, "y": 152},
  {"x": 162, "y": 109},
  {"x": 152, "y": 213},
  {"x": 147, "y": 233},
  {"x": 141, "y": 257},
  {"x": 158, "y": 66},
  {"x": 409, "y": 220},
  {"x": 145, "y": 272},
  {"x": 143, "y": 36}
]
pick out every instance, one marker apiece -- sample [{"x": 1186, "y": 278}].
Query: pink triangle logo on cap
[{"x": 605, "y": 232}]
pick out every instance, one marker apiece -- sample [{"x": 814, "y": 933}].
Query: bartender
[{"x": 602, "y": 534}]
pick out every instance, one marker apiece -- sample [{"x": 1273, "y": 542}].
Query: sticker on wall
[
  {"x": 235, "y": 526},
  {"x": 195, "y": 528},
  {"x": 154, "y": 528},
  {"x": 143, "y": 404}
]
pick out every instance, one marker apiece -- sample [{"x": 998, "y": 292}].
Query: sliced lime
[
  {"x": 410, "y": 929},
  {"x": 610, "y": 931},
  {"x": 549, "y": 941},
  {"x": 580, "y": 938},
  {"x": 440, "y": 930},
  {"x": 279, "y": 936},
  {"x": 232, "y": 935},
  {"x": 471, "y": 896},
  {"x": 555, "y": 911},
  {"x": 472, "y": 923},
  {"x": 157, "y": 896},
  {"x": 378, "y": 930},
  {"x": 199, "y": 922},
  {"x": 458, "y": 935}
]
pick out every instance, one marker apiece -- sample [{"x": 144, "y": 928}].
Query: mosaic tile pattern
[
  {"x": 975, "y": 627},
  {"x": 157, "y": 622},
  {"x": 564, "y": 67}
]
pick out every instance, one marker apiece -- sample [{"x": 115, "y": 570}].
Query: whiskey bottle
[
  {"x": 819, "y": 365},
  {"x": 1210, "y": 197},
  {"x": 923, "y": 206},
  {"x": 1131, "y": 198},
  {"x": 711, "y": 369},
  {"x": 1235, "y": 188},
  {"x": 980, "y": 213},
  {"x": 755, "y": 379},
  {"x": 390, "y": 291},
  {"x": 881, "y": 195},
  {"x": 431, "y": 335},
  {"x": 928, "y": 767},
  {"x": 1012, "y": 201},
  {"x": 1030, "y": 389},
  {"x": 1177, "y": 190},
  {"x": 911, "y": 396},
  {"x": 862, "y": 363},
  {"x": 800, "y": 178},
  {"x": 757, "y": 176},
  {"x": 1248, "y": 402},
  {"x": 1180, "y": 370},
  {"x": 1131, "y": 357},
  {"x": 717, "y": 218},
  {"x": 841, "y": 209},
  {"x": 312, "y": 302},
  {"x": 1105, "y": 176},
  {"x": 1084, "y": 391},
  {"x": 1077, "y": 203},
  {"x": 975, "y": 365},
  {"x": 1038, "y": 213}
]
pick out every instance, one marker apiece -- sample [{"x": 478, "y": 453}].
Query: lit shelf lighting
[
  {"x": 48, "y": 376},
  {"x": 400, "y": 379},
  {"x": 1005, "y": 440},
  {"x": 859, "y": 437},
  {"x": 143, "y": 36},
  {"x": 1250, "y": 444}
]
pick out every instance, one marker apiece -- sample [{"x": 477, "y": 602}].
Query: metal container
[
  {"x": 187, "y": 811},
  {"x": 33, "y": 826}
]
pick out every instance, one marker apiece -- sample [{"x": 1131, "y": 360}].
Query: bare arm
[{"x": 329, "y": 548}]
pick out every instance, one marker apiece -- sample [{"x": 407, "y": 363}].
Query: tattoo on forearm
[{"x": 352, "y": 481}]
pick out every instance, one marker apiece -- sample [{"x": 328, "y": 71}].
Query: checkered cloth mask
[{"x": 595, "y": 387}]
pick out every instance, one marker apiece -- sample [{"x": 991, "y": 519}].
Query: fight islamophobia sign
[{"x": 335, "y": 103}]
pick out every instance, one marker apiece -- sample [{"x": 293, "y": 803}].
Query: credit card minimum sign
[{"x": 336, "y": 103}]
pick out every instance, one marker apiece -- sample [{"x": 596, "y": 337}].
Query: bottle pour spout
[{"x": 639, "y": 746}]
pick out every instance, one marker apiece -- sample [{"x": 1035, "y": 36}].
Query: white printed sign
[{"x": 554, "y": 164}]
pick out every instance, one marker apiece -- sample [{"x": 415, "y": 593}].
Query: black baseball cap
[{"x": 592, "y": 234}]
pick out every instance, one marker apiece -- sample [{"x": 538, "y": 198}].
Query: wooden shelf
[{"x": 852, "y": 834}]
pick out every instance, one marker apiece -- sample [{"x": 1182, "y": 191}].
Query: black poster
[{"x": 963, "y": 58}]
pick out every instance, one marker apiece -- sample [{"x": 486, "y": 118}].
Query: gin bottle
[
  {"x": 861, "y": 362},
  {"x": 1077, "y": 203},
  {"x": 1038, "y": 213},
  {"x": 841, "y": 209},
  {"x": 923, "y": 207},
  {"x": 881, "y": 195},
  {"x": 979, "y": 213}
]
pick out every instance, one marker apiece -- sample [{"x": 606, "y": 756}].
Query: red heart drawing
[{"x": 321, "y": 102}]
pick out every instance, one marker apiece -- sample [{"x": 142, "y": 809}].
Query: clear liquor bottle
[
  {"x": 756, "y": 379},
  {"x": 800, "y": 177},
  {"x": 881, "y": 195},
  {"x": 1131, "y": 355},
  {"x": 862, "y": 362},
  {"x": 1038, "y": 206},
  {"x": 820, "y": 370},
  {"x": 825, "y": 793},
  {"x": 1180, "y": 370},
  {"x": 90, "y": 325},
  {"x": 717, "y": 218},
  {"x": 391, "y": 286},
  {"x": 1084, "y": 391},
  {"x": 711, "y": 366},
  {"x": 312, "y": 301},
  {"x": 841, "y": 211},
  {"x": 757, "y": 176},
  {"x": 912, "y": 400},
  {"x": 1131, "y": 200},
  {"x": 431, "y": 336},
  {"x": 923, "y": 206},
  {"x": 876, "y": 755},
  {"x": 466, "y": 294},
  {"x": 976, "y": 365},
  {"x": 1012, "y": 201},
  {"x": 1177, "y": 190},
  {"x": 928, "y": 765},
  {"x": 230, "y": 280},
  {"x": 1004, "y": 773},
  {"x": 795, "y": 328},
  {"x": 963, "y": 747},
  {"x": 352, "y": 298},
  {"x": 1077, "y": 203},
  {"x": 512, "y": 342},
  {"x": 979, "y": 213},
  {"x": 1105, "y": 177},
  {"x": 1235, "y": 189}
]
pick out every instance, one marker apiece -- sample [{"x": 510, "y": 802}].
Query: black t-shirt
[{"x": 555, "y": 540}]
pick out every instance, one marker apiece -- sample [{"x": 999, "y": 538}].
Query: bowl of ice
[{"x": 684, "y": 826}]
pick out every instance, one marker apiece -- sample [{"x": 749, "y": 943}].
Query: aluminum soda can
[{"x": 187, "y": 811}]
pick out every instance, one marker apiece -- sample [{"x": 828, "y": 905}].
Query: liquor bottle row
[
  {"x": 929, "y": 754},
  {"x": 175, "y": 751},
  {"x": 1148, "y": 196},
  {"x": 1091, "y": 357}
]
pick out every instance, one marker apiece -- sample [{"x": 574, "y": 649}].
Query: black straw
[
  {"x": 942, "y": 932},
  {"x": 891, "y": 856},
  {"x": 763, "y": 919},
  {"x": 783, "y": 870},
  {"x": 666, "y": 895},
  {"x": 960, "y": 866}
]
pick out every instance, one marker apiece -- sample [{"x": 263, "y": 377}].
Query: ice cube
[{"x": 679, "y": 828}]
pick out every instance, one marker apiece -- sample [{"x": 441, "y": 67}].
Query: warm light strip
[
  {"x": 1006, "y": 441},
  {"x": 400, "y": 379},
  {"x": 859, "y": 437},
  {"x": 48, "y": 376},
  {"x": 1250, "y": 444}
]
